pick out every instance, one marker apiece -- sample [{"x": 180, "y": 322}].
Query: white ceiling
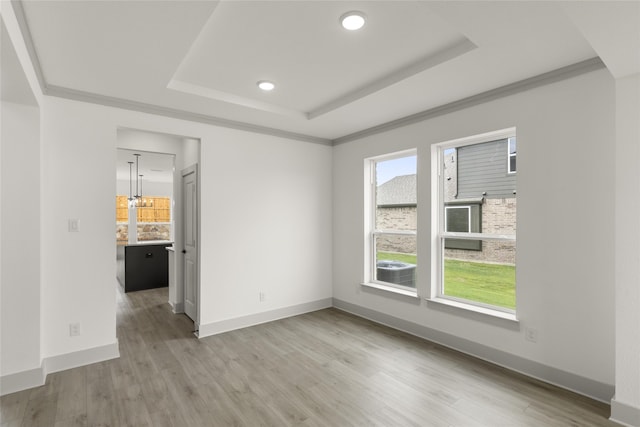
[
  {"x": 14, "y": 86},
  {"x": 205, "y": 57},
  {"x": 154, "y": 167}
]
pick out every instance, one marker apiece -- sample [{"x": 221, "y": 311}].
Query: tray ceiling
[{"x": 202, "y": 59}]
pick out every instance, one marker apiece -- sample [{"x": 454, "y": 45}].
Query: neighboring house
[
  {"x": 480, "y": 192},
  {"x": 480, "y": 196},
  {"x": 396, "y": 210}
]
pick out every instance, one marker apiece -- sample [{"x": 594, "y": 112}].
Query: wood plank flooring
[{"x": 326, "y": 368}]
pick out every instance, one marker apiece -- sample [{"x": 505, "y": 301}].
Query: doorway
[{"x": 184, "y": 153}]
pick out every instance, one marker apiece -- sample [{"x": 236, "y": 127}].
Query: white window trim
[
  {"x": 370, "y": 222},
  {"x": 509, "y": 156},
  {"x": 438, "y": 233}
]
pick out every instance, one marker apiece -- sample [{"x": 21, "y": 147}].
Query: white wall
[
  {"x": 627, "y": 250},
  {"x": 266, "y": 224},
  {"x": 78, "y": 269},
  {"x": 20, "y": 230},
  {"x": 155, "y": 189},
  {"x": 265, "y": 216},
  {"x": 190, "y": 152},
  {"x": 565, "y": 259}
]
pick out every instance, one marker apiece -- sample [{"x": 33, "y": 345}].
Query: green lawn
[
  {"x": 394, "y": 256},
  {"x": 487, "y": 283}
]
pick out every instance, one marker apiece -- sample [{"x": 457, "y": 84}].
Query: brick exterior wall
[
  {"x": 397, "y": 218},
  {"x": 498, "y": 217}
]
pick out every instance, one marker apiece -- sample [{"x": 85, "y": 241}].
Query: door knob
[{"x": 184, "y": 251}]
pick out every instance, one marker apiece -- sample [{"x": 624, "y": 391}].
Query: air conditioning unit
[{"x": 400, "y": 273}]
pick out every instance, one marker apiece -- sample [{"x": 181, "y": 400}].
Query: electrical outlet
[
  {"x": 263, "y": 297},
  {"x": 74, "y": 225},
  {"x": 74, "y": 329},
  {"x": 531, "y": 334}
]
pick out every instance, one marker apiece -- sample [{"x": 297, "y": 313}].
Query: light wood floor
[{"x": 325, "y": 368}]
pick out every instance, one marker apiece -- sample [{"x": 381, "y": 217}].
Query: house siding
[{"x": 482, "y": 170}]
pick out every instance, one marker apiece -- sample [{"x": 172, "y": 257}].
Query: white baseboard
[
  {"x": 19, "y": 381},
  {"x": 582, "y": 385},
  {"x": 625, "y": 414},
  {"x": 176, "y": 307},
  {"x": 227, "y": 325},
  {"x": 75, "y": 359}
]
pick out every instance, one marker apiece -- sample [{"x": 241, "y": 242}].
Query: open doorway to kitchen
[{"x": 150, "y": 225}]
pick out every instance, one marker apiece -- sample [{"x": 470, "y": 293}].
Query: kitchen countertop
[{"x": 150, "y": 242}]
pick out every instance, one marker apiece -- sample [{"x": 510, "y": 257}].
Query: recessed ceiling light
[
  {"x": 352, "y": 21},
  {"x": 266, "y": 85}
]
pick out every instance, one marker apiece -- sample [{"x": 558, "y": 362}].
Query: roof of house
[{"x": 399, "y": 191}]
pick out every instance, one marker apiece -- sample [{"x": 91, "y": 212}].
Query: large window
[
  {"x": 474, "y": 235},
  {"x": 391, "y": 221}
]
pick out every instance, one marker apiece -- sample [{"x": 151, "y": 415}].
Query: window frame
[
  {"x": 474, "y": 221},
  {"x": 439, "y": 233},
  {"x": 510, "y": 155},
  {"x": 372, "y": 233}
]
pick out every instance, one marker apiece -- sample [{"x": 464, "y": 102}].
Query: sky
[{"x": 389, "y": 169}]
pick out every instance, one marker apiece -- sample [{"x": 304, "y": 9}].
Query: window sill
[
  {"x": 407, "y": 293},
  {"x": 511, "y": 317}
]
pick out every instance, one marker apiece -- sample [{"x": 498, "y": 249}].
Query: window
[
  {"x": 512, "y": 154},
  {"x": 149, "y": 209},
  {"x": 474, "y": 231},
  {"x": 391, "y": 221},
  {"x": 153, "y": 219},
  {"x": 457, "y": 219},
  {"x": 462, "y": 219}
]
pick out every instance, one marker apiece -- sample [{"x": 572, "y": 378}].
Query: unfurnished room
[{"x": 319, "y": 213}]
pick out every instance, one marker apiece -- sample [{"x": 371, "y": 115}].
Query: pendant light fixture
[
  {"x": 140, "y": 199},
  {"x": 135, "y": 200},
  {"x": 138, "y": 176},
  {"x": 130, "y": 183}
]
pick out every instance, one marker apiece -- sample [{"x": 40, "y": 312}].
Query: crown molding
[
  {"x": 108, "y": 101},
  {"x": 553, "y": 76},
  {"x": 18, "y": 11}
]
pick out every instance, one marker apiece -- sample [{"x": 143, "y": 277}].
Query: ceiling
[
  {"x": 13, "y": 83},
  {"x": 202, "y": 59},
  {"x": 154, "y": 167}
]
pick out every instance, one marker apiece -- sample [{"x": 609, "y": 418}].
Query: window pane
[
  {"x": 478, "y": 195},
  {"x": 396, "y": 194},
  {"x": 512, "y": 154},
  {"x": 396, "y": 259},
  {"x": 487, "y": 277},
  {"x": 457, "y": 219}
]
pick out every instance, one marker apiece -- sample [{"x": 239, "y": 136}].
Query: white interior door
[{"x": 190, "y": 249}]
